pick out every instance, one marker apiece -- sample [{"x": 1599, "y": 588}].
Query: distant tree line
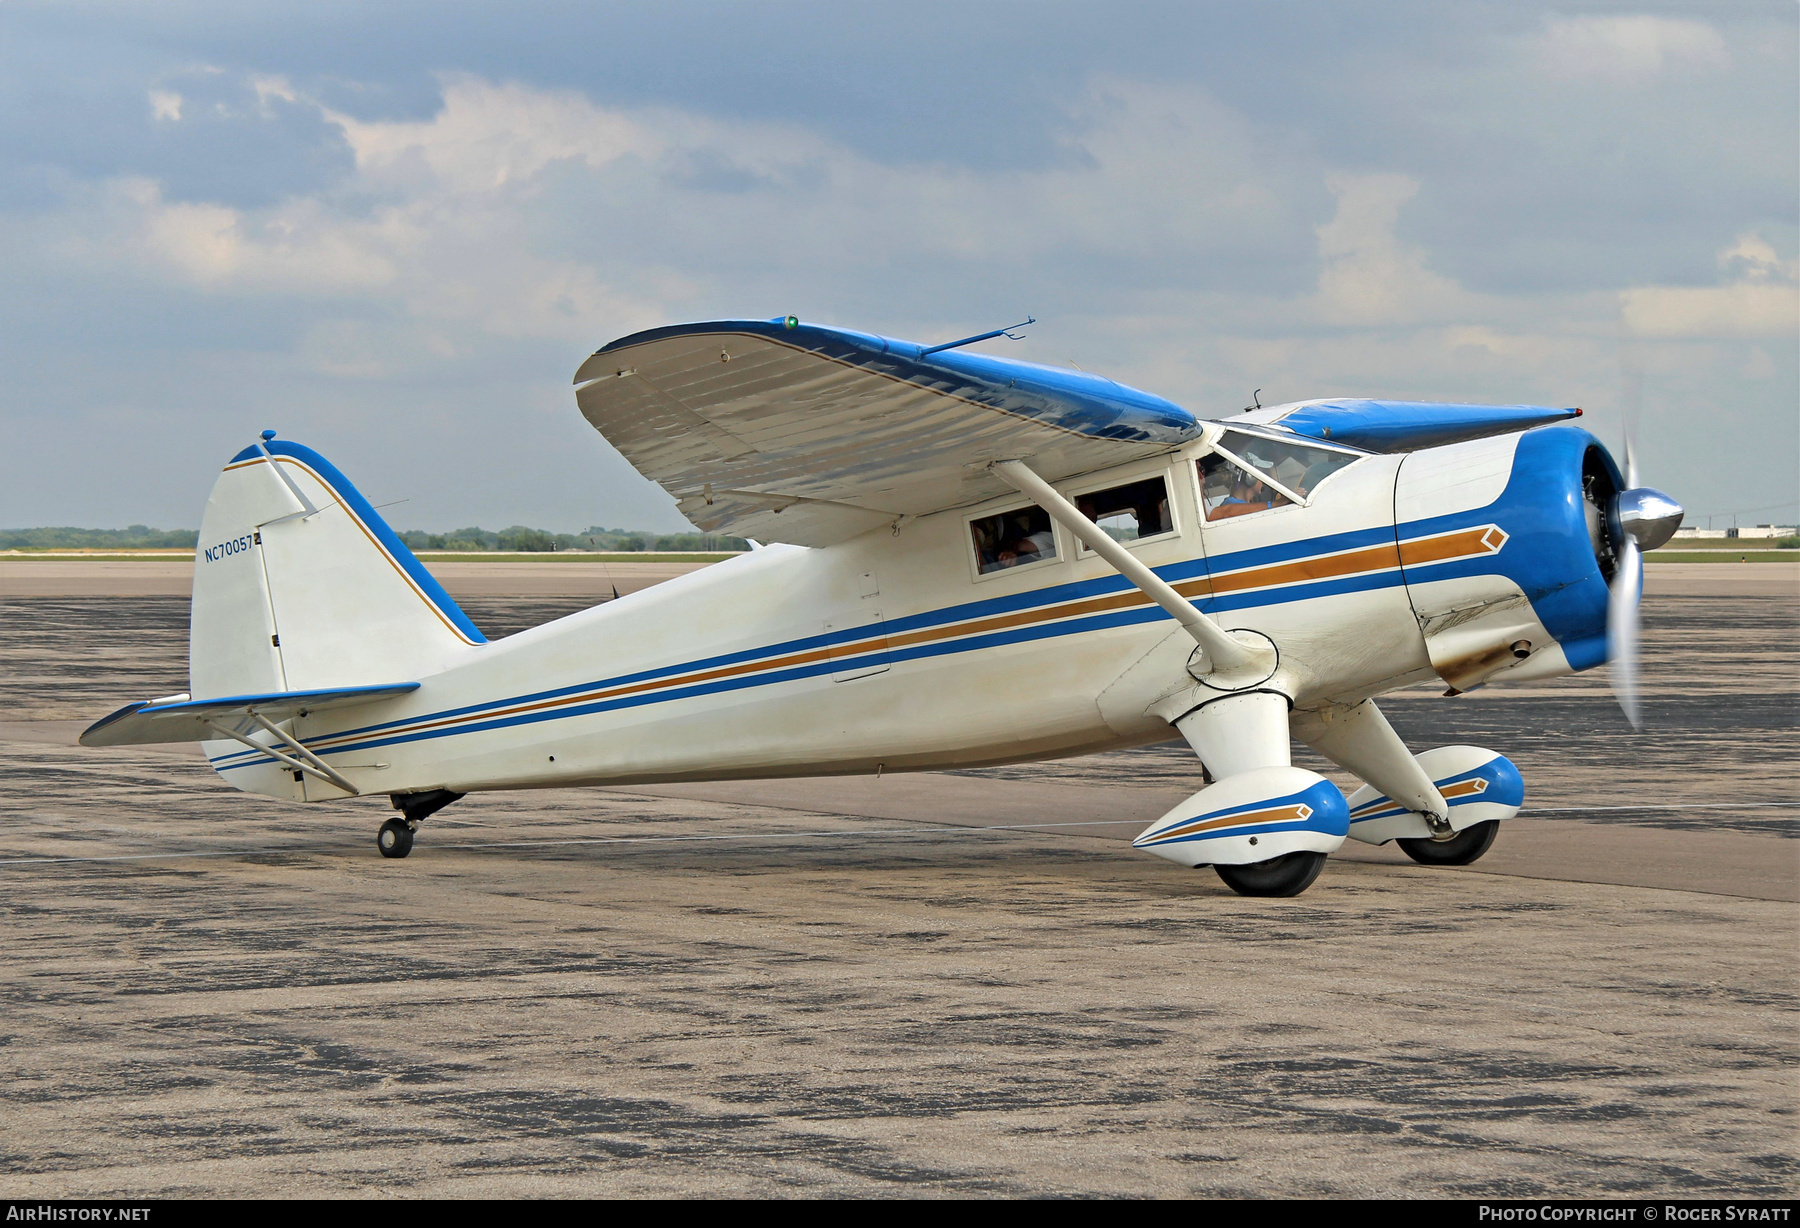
[
  {"x": 137, "y": 537},
  {"x": 522, "y": 538},
  {"x": 517, "y": 538}
]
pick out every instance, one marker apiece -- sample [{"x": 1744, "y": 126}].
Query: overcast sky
[{"x": 393, "y": 231}]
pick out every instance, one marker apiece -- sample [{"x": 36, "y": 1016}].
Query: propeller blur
[
  {"x": 963, "y": 560},
  {"x": 1639, "y": 519}
]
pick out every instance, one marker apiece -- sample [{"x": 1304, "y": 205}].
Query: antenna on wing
[{"x": 1006, "y": 332}]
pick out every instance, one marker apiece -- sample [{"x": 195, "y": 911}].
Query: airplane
[{"x": 962, "y": 560}]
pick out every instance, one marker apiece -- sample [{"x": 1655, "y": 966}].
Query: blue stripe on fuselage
[
  {"x": 967, "y": 612},
  {"x": 1537, "y": 558}
]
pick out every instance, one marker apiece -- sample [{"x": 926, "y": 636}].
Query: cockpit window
[
  {"x": 1250, "y": 473},
  {"x": 1227, "y": 490},
  {"x": 1013, "y": 539}
]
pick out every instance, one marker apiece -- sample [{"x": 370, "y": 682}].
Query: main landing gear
[
  {"x": 1277, "y": 878},
  {"x": 395, "y": 839},
  {"x": 1464, "y": 847},
  {"x": 1265, "y": 825}
]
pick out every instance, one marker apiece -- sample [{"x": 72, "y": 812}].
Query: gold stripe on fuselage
[{"x": 1463, "y": 543}]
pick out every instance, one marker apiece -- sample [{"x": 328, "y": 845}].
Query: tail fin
[{"x": 299, "y": 584}]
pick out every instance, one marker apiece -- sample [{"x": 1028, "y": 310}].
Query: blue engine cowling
[{"x": 1560, "y": 551}]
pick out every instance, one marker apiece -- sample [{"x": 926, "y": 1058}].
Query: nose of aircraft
[{"x": 1648, "y": 516}]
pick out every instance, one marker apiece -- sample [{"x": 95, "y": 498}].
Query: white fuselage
[{"x": 888, "y": 652}]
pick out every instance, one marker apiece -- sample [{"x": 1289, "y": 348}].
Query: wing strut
[{"x": 1225, "y": 653}]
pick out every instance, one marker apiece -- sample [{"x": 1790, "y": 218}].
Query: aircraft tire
[
  {"x": 1278, "y": 877},
  {"x": 395, "y": 838},
  {"x": 1464, "y": 847}
]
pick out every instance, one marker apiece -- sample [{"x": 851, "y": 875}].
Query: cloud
[
  {"x": 1753, "y": 259},
  {"x": 298, "y": 247},
  {"x": 487, "y": 136},
  {"x": 1762, "y": 300},
  {"x": 274, "y": 87},
  {"x": 517, "y": 212},
  {"x": 1743, "y": 310},
  {"x": 1367, "y": 276},
  {"x": 1629, "y": 48},
  {"x": 165, "y": 105},
  {"x": 432, "y": 277}
]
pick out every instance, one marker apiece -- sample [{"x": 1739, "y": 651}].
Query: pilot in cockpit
[{"x": 1269, "y": 473}]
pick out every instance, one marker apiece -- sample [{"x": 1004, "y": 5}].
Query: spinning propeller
[{"x": 1640, "y": 519}]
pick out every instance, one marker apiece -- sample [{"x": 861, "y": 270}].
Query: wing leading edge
[
  {"x": 806, "y": 434},
  {"x": 1403, "y": 426}
]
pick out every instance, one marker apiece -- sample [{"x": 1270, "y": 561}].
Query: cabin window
[
  {"x": 1131, "y": 512},
  {"x": 1012, "y": 539},
  {"x": 1249, "y": 473}
]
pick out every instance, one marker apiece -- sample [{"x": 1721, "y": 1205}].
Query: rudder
[{"x": 299, "y": 584}]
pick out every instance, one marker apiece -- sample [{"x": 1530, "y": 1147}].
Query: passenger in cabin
[
  {"x": 987, "y": 553},
  {"x": 1152, "y": 516},
  {"x": 1012, "y": 539},
  {"x": 1030, "y": 544},
  {"x": 1127, "y": 513}
]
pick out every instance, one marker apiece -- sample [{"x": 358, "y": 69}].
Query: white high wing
[{"x": 972, "y": 561}]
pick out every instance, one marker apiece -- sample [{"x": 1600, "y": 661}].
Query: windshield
[{"x": 1252, "y": 473}]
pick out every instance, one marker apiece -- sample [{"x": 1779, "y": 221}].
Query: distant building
[{"x": 1749, "y": 530}]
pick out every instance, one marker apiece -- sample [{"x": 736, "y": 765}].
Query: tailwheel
[
  {"x": 1278, "y": 877},
  {"x": 1464, "y": 847},
  {"x": 395, "y": 838}
]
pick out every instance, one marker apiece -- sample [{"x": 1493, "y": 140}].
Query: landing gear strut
[
  {"x": 395, "y": 839},
  {"x": 1464, "y": 847}
]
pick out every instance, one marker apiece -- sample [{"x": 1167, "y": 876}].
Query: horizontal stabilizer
[
  {"x": 200, "y": 720},
  {"x": 1403, "y": 426}
]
